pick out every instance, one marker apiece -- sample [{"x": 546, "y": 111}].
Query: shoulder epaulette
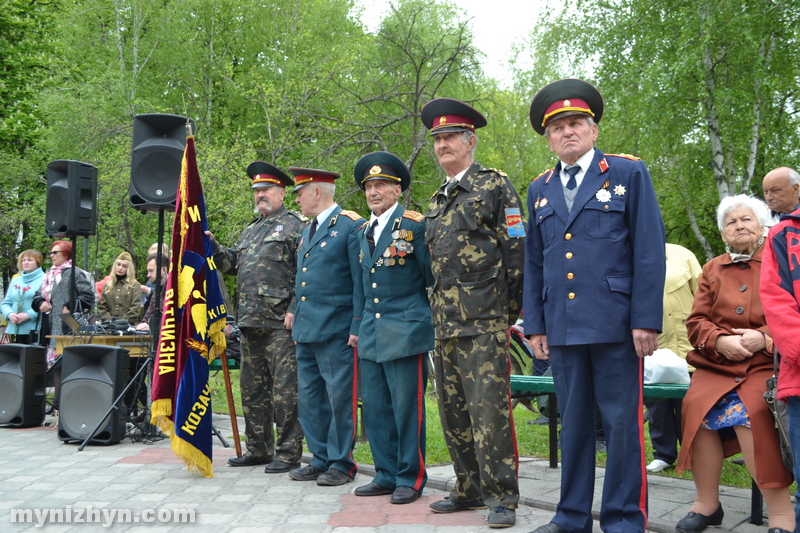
[
  {"x": 253, "y": 221},
  {"x": 352, "y": 215},
  {"x": 543, "y": 173},
  {"x": 626, "y": 156},
  {"x": 413, "y": 215},
  {"x": 364, "y": 225},
  {"x": 299, "y": 216},
  {"x": 495, "y": 170}
]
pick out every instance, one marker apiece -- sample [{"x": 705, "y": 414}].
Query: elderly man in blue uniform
[
  {"x": 396, "y": 331},
  {"x": 330, "y": 302},
  {"x": 474, "y": 228},
  {"x": 594, "y": 281}
]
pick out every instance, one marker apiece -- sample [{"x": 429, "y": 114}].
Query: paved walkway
[{"x": 38, "y": 472}]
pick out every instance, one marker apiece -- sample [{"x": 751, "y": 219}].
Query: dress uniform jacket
[
  {"x": 477, "y": 254},
  {"x": 330, "y": 294},
  {"x": 263, "y": 260},
  {"x": 596, "y": 272},
  {"x": 397, "y": 315},
  {"x": 592, "y": 275},
  {"x": 396, "y": 334}
]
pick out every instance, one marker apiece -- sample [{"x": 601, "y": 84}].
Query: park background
[{"x": 704, "y": 92}]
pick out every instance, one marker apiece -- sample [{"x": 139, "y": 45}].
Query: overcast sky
[{"x": 496, "y": 24}]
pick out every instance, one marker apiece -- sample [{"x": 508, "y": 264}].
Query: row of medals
[{"x": 401, "y": 246}]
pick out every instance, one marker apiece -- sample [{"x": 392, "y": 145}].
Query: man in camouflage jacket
[
  {"x": 264, "y": 261},
  {"x": 476, "y": 239}
]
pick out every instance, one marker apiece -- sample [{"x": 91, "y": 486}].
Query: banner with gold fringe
[{"x": 192, "y": 328}]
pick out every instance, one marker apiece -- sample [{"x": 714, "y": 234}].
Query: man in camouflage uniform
[
  {"x": 476, "y": 238},
  {"x": 264, "y": 260}
]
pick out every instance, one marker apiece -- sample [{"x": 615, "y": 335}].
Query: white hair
[
  {"x": 328, "y": 189},
  {"x": 759, "y": 209},
  {"x": 465, "y": 135},
  {"x": 794, "y": 177}
]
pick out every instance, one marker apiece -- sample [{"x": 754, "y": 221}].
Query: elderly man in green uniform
[
  {"x": 475, "y": 230},
  {"x": 264, "y": 262},
  {"x": 330, "y": 302},
  {"x": 396, "y": 331}
]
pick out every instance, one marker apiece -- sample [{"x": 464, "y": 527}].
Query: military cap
[
  {"x": 266, "y": 175},
  {"x": 304, "y": 176},
  {"x": 444, "y": 115},
  {"x": 563, "y": 98},
  {"x": 381, "y": 166}
]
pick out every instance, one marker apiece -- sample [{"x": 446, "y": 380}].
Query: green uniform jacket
[{"x": 397, "y": 315}]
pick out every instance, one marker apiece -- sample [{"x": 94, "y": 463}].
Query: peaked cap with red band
[
  {"x": 266, "y": 175},
  {"x": 304, "y": 176},
  {"x": 447, "y": 114},
  {"x": 563, "y": 98},
  {"x": 381, "y": 166}
]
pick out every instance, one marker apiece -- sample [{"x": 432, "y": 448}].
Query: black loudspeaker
[
  {"x": 22, "y": 370},
  {"x": 92, "y": 377},
  {"x": 158, "y": 144},
  {"x": 71, "y": 199}
]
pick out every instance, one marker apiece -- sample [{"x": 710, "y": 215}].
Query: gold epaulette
[
  {"x": 495, "y": 170},
  {"x": 362, "y": 226},
  {"x": 542, "y": 174},
  {"x": 299, "y": 216},
  {"x": 413, "y": 215},
  {"x": 352, "y": 215},
  {"x": 626, "y": 156}
]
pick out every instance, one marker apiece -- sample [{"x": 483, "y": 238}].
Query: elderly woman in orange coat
[{"x": 724, "y": 411}]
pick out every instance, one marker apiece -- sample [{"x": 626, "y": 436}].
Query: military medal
[
  {"x": 401, "y": 261},
  {"x": 334, "y": 233},
  {"x": 619, "y": 190},
  {"x": 543, "y": 202},
  {"x": 603, "y": 195},
  {"x": 323, "y": 245}
]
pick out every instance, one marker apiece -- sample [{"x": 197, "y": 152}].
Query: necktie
[
  {"x": 313, "y": 229},
  {"x": 572, "y": 171},
  {"x": 449, "y": 187},
  {"x": 371, "y": 236}
]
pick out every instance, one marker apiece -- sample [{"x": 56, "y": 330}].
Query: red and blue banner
[{"x": 192, "y": 328}]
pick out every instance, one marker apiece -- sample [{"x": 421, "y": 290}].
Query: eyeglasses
[{"x": 55, "y": 252}]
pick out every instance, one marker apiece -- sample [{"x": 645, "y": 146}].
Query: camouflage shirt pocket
[
  {"x": 275, "y": 301},
  {"x": 478, "y": 296}
]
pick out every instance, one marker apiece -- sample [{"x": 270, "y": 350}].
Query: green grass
[{"x": 532, "y": 440}]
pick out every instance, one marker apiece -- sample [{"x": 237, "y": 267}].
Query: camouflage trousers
[
  {"x": 472, "y": 383},
  {"x": 268, "y": 380}
]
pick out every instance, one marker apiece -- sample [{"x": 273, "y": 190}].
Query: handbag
[{"x": 780, "y": 413}]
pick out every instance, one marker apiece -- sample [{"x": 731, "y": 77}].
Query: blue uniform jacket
[
  {"x": 397, "y": 315},
  {"x": 595, "y": 273},
  {"x": 329, "y": 294}
]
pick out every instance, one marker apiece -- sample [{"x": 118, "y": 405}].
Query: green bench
[{"x": 522, "y": 386}]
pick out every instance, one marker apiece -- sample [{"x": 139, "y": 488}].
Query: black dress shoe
[
  {"x": 246, "y": 460},
  {"x": 448, "y": 506},
  {"x": 694, "y": 522},
  {"x": 373, "y": 489},
  {"x": 403, "y": 494},
  {"x": 278, "y": 467},
  {"x": 307, "y": 473},
  {"x": 549, "y": 528},
  {"x": 780, "y": 530},
  {"x": 333, "y": 478}
]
